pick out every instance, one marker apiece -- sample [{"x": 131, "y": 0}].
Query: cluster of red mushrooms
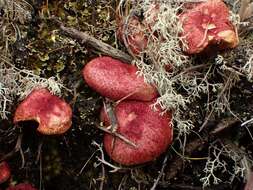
[
  {"x": 205, "y": 25},
  {"x": 150, "y": 131}
]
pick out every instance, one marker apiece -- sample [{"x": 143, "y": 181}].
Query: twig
[
  {"x": 247, "y": 122},
  {"x": 244, "y": 124},
  {"x": 109, "y": 110},
  {"x": 85, "y": 164},
  {"x": 115, "y": 168},
  {"x": 219, "y": 96},
  {"x": 177, "y": 163},
  {"x": 127, "y": 96},
  {"x": 193, "y": 68},
  {"x": 123, "y": 182},
  {"x": 112, "y": 129},
  {"x": 161, "y": 173},
  {"x": 103, "y": 161},
  {"x": 224, "y": 124},
  {"x": 16, "y": 149},
  {"x": 85, "y": 38},
  {"x": 39, "y": 150},
  {"x": 121, "y": 137},
  {"x": 101, "y": 186},
  {"x": 100, "y": 149}
]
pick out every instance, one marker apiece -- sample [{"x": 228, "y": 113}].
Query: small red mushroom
[
  {"x": 53, "y": 114},
  {"x": 22, "y": 186},
  {"x": 116, "y": 80},
  {"x": 5, "y": 172},
  {"x": 150, "y": 131},
  {"x": 208, "y": 24},
  {"x": 132, "y": 33}
]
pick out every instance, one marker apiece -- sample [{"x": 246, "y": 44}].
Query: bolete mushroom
[
  {"x": 22, "y": 186},
  {"x": 5, "y": 172},
  {"x": 208, "y": 24},
  {"x": 150, "y": 131},
  {"x": 53, "y": 114},
  {"x": 116, "y": 80}
]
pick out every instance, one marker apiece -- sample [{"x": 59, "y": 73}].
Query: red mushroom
[
  {"x": 132, "y": 33},
  {"x": 150, "y": 131},
  {"x": 53, "y": 114},
  {"x": 5, "y": 172},
  {"x": 208, "y": 24},
  {"x": 116, "y": 80},
  {"x": 22, "y": 186}
]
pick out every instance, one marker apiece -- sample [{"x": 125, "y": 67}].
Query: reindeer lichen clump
[{"x": 15, "y": 82}]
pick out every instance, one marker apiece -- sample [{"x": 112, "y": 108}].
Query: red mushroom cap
[
  {"x": 149, "y": 130},
  {"x": 22, "y": 186},
  {"x": 208, "y": 23},
  {"x": 115, "y": 80},
  {"x": 53, "y": 114},
  {"x": 134, "y": 33},
  {"x": 5, "y": 172}
]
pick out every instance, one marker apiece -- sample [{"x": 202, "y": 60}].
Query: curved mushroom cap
[
  {"x": 206, "y": 24},
  {"x": 147, "y": 129},
  {"x": 5, "y": 172},
  {"x": 22, "y": 186},
  {"x": 116, "y": 80},
  {"x": 53, "y": 114},
  {"x": 134, "y": 33}
]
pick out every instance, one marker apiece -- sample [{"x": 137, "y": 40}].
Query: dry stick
[
  {"x": 109, "y": 110},
  {"x": 39, "y": 150},
  {"x": 121, "y": 137},
  {"x": 123, "y": 182},
  {"x": 85, "y": 164},
  {"x": 243, "y": 7},
  {"x": 211, "y": 112},
  {"x": 160, "y": 174},
  {"x": 112, "y": 129},
  {"x": 95, "y": 43},
  {"x": 127, "y": 96},
  {"x": 16, "y": 149},
  {"x": 193, "y": 68},
  {"x": 101, "y": 186}
]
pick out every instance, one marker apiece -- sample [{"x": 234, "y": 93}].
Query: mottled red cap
[
  {"x": 5, "y": 172},
  {"x": 115, "y": 80},
  {"x": 148, "y": 129},
  {"x": 53, "y": 114},
  {"x": 134, "y": 32},
  {"x": 22, "y": 186},
  {"x": 207, "y": 24}
]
